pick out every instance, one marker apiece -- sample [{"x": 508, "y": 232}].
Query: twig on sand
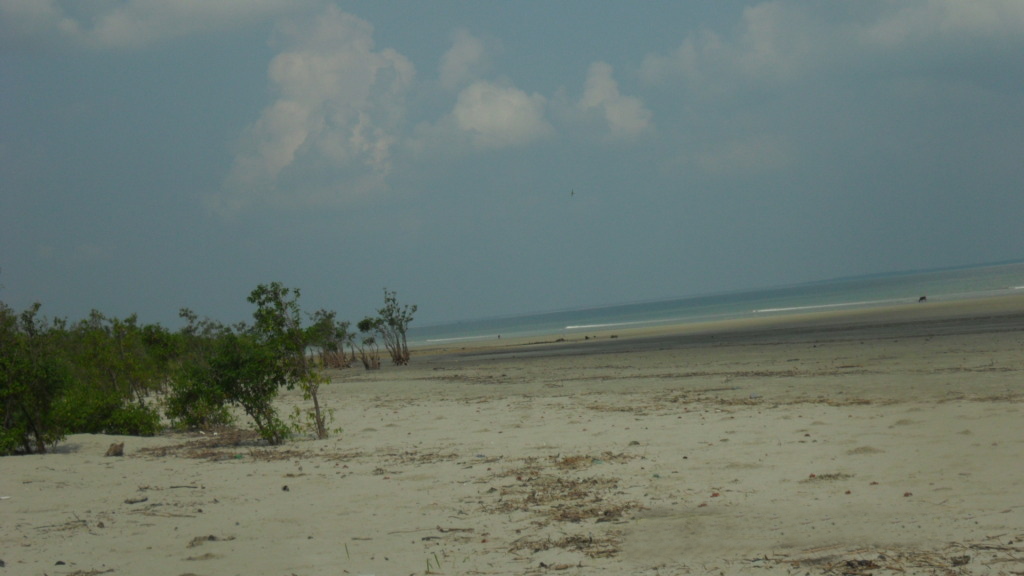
[{"x": 70, "y": 525}]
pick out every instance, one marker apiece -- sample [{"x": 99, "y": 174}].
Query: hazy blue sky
[{"x": 157, "y": 154}]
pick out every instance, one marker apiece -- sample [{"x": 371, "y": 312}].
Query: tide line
[
  {"x": 459, "y": 339},
  {"x": 632, "y": 323},
  {"x": 821, "y": 306},
  {"x": 610, "y": 325}
]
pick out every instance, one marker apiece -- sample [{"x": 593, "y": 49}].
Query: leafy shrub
[
  {"x": 32, "y": 377},
  {"x": 99, "y": 375},
  {"x": 250, "y": 376},
  {"x": 193, "y": 404},
  {"x": 84, "y": 411},
  {"x": 134, "y": 420}
]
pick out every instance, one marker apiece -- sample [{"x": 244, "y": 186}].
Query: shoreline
[{"x": 973, "y": 312}]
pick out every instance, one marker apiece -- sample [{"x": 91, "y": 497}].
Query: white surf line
[
  {"x": 612, "y": 325},
  {"x": 820, "y": 306},
  {"x": 460, "y": 338},
  {"x": 633, "y": 323}
]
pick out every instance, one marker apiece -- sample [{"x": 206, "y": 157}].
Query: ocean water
[{"x": 845, "y": 293}]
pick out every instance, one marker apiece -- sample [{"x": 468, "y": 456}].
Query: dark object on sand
[
  {"x": 115, "y": 450},
  {"x": 922, "y": 299}
]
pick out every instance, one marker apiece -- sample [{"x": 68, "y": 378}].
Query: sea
[{"x": 874, "y": 290}]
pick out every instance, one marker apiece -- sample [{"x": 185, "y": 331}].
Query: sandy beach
[{"x": 883, "y": 441}]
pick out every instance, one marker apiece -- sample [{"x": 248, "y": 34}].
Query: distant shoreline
[
  {"x": 852, "y": 294},
  {"x": 974, "y": 315}
]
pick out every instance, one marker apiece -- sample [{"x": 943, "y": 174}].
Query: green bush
[
  {"x": 193, "y": 403},
  {"x": 134, "y": 420},
  {"x": 192, "y": 400},
  {"x": 32, "y": 376},
  {"x": 250, "y": 376},
  {"x": 99, "y": 375},
  {"x": 13, "y": 437},
  {"x": 83, "y": 410}
]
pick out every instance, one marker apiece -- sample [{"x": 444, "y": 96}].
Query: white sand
[{"x": 679, "y": 451}]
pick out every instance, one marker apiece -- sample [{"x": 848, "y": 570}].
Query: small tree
[
  {"x": 329, "y": 336},
  {"x": 369, "y": 352},
  {"x": 279, "y": 327},
  {"x": 393, "y": 326},
  {"x": 250, "y": 375}
]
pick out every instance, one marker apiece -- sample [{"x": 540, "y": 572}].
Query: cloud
[
  {"x": 831, "y": 91},
  {"x": 918, "y": 21},
  {"x": 774, "y": 42},
  {"x": 499, "y": 116},
  {"x": 339, "y": 107},
  {"x": 464, "y": 61},
  {"x": 781, "y": 41},
  {"x": 625, "y": 115},
  {"x": 132, "y": 23},
  {"x": 31, "y": 21}
]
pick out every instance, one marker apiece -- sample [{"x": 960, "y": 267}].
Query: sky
[{"x": 496, "y": 158}]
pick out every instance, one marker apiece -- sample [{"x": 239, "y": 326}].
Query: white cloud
[
  {"x": 31, "y": 20},
  {"x": 782, "y": 40},
  {"x": 335, "y": 121},
  {"x": 774, "y": 42},
  {"x": 778, "y": 40},
  {"x": 133, "y": 23},
  {"x": 498, "y": 116},
  {"x": 272, "y": 143},
  {"x": 917, "y": 21},
  {"x": 464, "y": 61},
  {"x": 625, "y": 115},
  {"x": 685, "y": 61}
]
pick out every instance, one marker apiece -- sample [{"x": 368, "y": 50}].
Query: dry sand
[{"x": 870, "y": 442}]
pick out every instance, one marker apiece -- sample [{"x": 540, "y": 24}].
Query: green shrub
[
  {"x": 99, "y": 375},
  {"x": 193, "y": 403},
  {"x": 134, "y": 420},
  {"x": 85, "y": 411},
  {"x": 250, "y": 375},
  {"x": 32, "y": 376},
  {"x": 82, "y": 411}
]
